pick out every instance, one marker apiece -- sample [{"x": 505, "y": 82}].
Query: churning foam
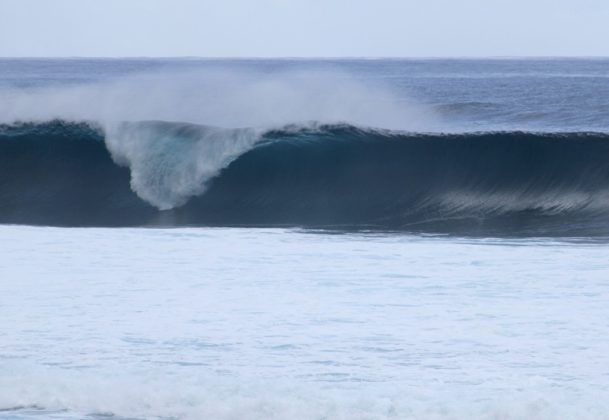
[
  {"x": 170, "y": 163},
  {"x": 66, "y": 395}
]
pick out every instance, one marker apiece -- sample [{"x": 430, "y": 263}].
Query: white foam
[
  {"x": 230, "y": 324},
  {"x": 170, "y": 163},
  {"x": 65, "y": 395}
]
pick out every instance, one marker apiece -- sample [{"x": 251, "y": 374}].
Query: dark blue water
[{"x": 474, "y": 147}]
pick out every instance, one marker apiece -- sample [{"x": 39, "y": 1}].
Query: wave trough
[{"x": 156, "y": 173}]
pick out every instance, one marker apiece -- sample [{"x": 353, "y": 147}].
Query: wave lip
[
  {"x": 171, "y": 162},
  {"x": 319, "y": 176}
]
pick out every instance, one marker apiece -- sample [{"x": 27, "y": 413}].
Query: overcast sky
[{"x": 304, "y": 28}]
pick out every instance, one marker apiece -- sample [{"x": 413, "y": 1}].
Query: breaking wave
[
  {"x": 155, "y": 173},
  {"x": 80, "y": 396}
]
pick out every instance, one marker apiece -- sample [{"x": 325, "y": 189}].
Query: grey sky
[{"x": 319, "y": 28}]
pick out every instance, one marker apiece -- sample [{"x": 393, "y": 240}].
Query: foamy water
[{"x": 277, "y": 324}]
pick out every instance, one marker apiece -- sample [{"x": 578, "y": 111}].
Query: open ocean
[{"x": 304, "y": 239}]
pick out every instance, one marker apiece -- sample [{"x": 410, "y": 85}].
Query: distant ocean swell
[{"x": 320, "y": 176}]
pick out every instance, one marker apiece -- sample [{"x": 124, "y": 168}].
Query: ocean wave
[{"x": 328, "y": 176}]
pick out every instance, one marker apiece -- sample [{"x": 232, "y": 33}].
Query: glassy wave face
[
  {"x": 465, "y": 147},
  {"x": 337, "y": 176}
]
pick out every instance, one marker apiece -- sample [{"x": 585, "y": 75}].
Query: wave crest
[{"x": 171, "y": 162}]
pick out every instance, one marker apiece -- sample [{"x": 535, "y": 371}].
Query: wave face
[
  {"x": 327, "y": 176},
  {"x": 61, "y": 174}
]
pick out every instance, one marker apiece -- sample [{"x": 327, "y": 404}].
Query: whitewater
[{"x": 307, "y": 239}]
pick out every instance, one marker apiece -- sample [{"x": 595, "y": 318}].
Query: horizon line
[{"x": 195, "y": 57}]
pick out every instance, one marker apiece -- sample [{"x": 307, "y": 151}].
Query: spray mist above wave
[{"x": 229, "y": 99}]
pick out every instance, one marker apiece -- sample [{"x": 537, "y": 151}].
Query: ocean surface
[{"x": 304, "y": 239}]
